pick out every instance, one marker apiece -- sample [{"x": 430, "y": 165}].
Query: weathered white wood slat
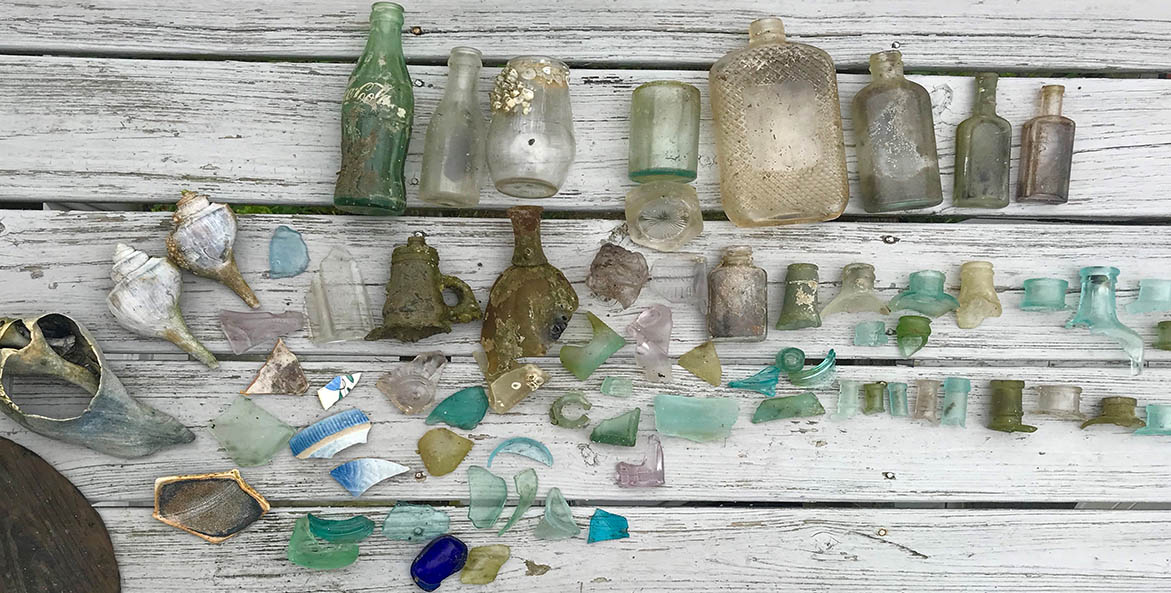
[
  {"x": 688, "y": 549},
  {"x": 61, "y": 261},
  {"x": 267, "y": 133},
  {"x": 999, "y": 33}
]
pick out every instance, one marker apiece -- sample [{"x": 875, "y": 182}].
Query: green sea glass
[
  {"x": 574, "y": 398},
  {"x": 896, "y": 394},
  {"x": 620, "y": 430},
  {"x": 874, "y": 398},
  {"x": 763, "y": 382},
  {"x": 341, "y": 531},
  {"x": 955, "y": 401},
  {"x": 849, "y": 393},
  {"x": 415, "y": 523},
  {"x": 605, "y": 526},
  {"x": 1007, "y": 408},
  {"x": 703, "y": 362},
  {"x": 1044, "y": 294},
  {"x": 698, "y": 419},
  {"x": 442, "y": 451},
  {"x": 983, "y": 144},
  {"x": 790, "y": 360},
  {"x": 925, "y": 295},
  {"x": 310, "y": 552},
  {"x": 617, "y": 386},
  {"x": 818, "y": 375},
  {"x": 484, "y": 563},
  {"x": 488, "y": 495},
  {"x": 799, "y": 308},
  {"x": 779, "y": 408},
  {"x": 870, "y": 333},
  {"x": 1118, "y": 411},
  {"x": 462, "y": 409},
  {"x": 857, "y": 294},
  {"x": 526, "y": 491},
  {"x": 1163, "y": 335},
  {"x": 558, "y": 520},
  {"x": 582, "y": 361},
  {"x": 249, "y": 434},
  {"x": 912, "y": 333}
]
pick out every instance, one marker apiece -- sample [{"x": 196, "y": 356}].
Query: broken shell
[
  {"x": 201, "y": 242},
  {"x": 212, "y": 506}
]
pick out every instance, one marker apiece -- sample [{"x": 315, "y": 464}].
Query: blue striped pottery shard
[
  {"x": 526, "y": 447},
  {"x": 415, "y": 522},
  {"x": 359, "y": 475},
  {"x": 338, "y": 387},
  {"x": 606, "y": 526},
  {"x": 324, "y": 438}
]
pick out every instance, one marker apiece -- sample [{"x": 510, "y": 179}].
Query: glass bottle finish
[
  {"x": 664, "y": 132},
  {"x": 378, "y": 109},
  {"x": 898, "y": 166},
  {"x": 983, "y": 144},
  {"x": 778, "y": 130},
  {"x": 453, "y": 151},
  {"x": 530, "y": 140},
  {"x": 737, "y": 298},
  {"x": 1046, "y": 152}
]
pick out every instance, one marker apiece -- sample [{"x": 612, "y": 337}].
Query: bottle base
[
  {"x": 988, "y": 203},
  {"x": 662, "y": 174},
  {"x": 450, "y": 200},
  {"x": 1041, "y": 199},
  {"x": 370, "y": 207},
  {"x": 526, "y": 187},
  {"x": 918, "y": 204}
]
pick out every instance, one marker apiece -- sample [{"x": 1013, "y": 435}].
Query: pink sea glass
[
  {"x": 247, "y": 329},
  {"x": 648, "y": 474},
  {"x": 651, "y": 332}
]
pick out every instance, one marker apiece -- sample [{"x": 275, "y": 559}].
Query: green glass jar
[
  {"x": 664, "y": 132},
  {"x": 983, "y": 144}
]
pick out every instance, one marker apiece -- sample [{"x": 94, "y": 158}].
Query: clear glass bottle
[
  {"x": 664, "y": 132},
  {"x": 453, "y": 151},
  {"x": 530, "y": 140},
  {"x": 778, "y": 130},
  {"x": 898, "y": 166},
  {"x": 737, "y": 298},
  {"x": 663, "y": 215},
  {"x": 378, "y": 109},
  {"x": 983, "y": 145},
  {"x": 1046, "y": 152}
]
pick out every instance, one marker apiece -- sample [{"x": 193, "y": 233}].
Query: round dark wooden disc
[{"x": 51, "y": 539}]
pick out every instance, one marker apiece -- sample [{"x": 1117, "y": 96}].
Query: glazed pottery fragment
[
  {"x": 324, "y": 438},
  {"x": 336, "y": 302},
  {"x": 1158, "y": 421},
  {"x": 484, "y": 563},
  {"x": 617, "y": 386},
  {"x": 648, "y": 474},
  {"x": 414, "y": 522},
  {"x": 1060, "y": 401},
  {"x": 318, "y": 554},
  {"x": 288, "y": 255},
  {"x": 1044, "y": 294},
  {"x": 439, "y": 559},
  {"x": 703, "y": 362},
  {"x": 1163, "y": 335},
  {"x": 1154, "y": 294},
  {"x": 821, "y": 374},
  {"x": 411, "y": 386},
  {"x": 651, "y": 332},
  {"x": 698, "y": 419},
  {"x": 926, "y": 400},
  {"x": 874, "y": 398},
  {"x": 340, "y": 531},
  {"x": 681, "y": 278},
  {"x": 337, "y": 388},
  {"x": 849, "y": 396},
  {"x": 525, "y": 447},
  {"x": 57, "y": 542},
  {"x": 857, "y": 293},
  {"x": 1007, "y": 409},
  {"x": 557, "y": 523},
  {"x": 489, "y": 492},
  {"x": 925, "y": 295},
  {"x": 790, "y": 360},
  {"x": 574, "y": 398},
  {"x": 281, "y": 374},
  {"x": 248, "y": 329},
  {"x": 442, "y": 450},
  {"x": 415, "y": 308},
  {"x": 214, "y": 507},
  {"x": 526, "y": 491},
  {"x": 113, "y": 423},
  {"x": 462, "y": 409},
  {"x": 202, "y": 239},
  {"x": 617, "y": 274},
  {"x": 1118, "y": 411},
  {"x": 582, "y": 361},
  {"x": 249, "y": 434},
  {"x": 1097, "y": 311},
  {"x": 896, "y": 394},
  {"x": 912, "y": 334},
  {"x": 799, "y": 305},
  {"x": 955, "y": 401},
  {"x": 511, "y": 387},
  {"x": 779, "y": 408},
  {"x": 870, "y": 333},
  {"x": 763, "y": 382},
  {"x": 359, "y": 475},
  {"x": 978, "y": 300},
  {"x": 606, "y": 526},
  {"x": 145, "y": 300},
  {"x": 621, "y": 430}
]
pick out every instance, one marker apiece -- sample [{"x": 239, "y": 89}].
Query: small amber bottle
[{"x": 1046, "y": 152}]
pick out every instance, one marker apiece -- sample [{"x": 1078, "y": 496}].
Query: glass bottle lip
[
  {"x": 672, "y": 84},
  {"x": 519, "y": 61},
  {"x": 1109, "y": 271},
  {"x": 886, "y": 63},
  {"x": 765, "y": 28},
  {"x": 386, "y": 11},
  {"x": 737, "y": 255},
  {"x": 465, "y": 56}
]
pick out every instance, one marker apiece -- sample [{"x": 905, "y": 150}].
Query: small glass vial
[
  {"x": 663, "y": 215},
  {"x": 664, "y": 132},
  {"x": 530, "y": 140},
  {"x": 983, "y": 144},
  {"x": 453, "y": 151},
  {"x": 1046, "y": 152},
  {"x": 898, "y": 167},
  {"x": 737, "y": 298}
]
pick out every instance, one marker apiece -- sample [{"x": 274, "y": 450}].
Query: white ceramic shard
[
  {"x": 324, "y": 438},
  {"x": 337, "y": 388}
]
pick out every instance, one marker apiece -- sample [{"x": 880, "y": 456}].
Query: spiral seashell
[
  {"x": 145, "y": 300},
  {"x": 201, "y": 242}
]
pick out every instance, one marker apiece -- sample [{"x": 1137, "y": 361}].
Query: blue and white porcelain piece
[
  {"x": 326, "y": 437},
  {"x": 338, "y": 387},
  {"x": 531, "y": 448},
  {"x": 360, "y": 474}
]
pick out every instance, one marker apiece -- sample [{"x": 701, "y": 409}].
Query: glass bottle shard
[
  {"x": 799, "y": 305},
  {"x": 617, "y": 386},
  {"x": 1060, "y": 401},
  {"x": 324, "y": 438},
  {"x": 248, "y": 329},
  {"x": 462, "y": 409},
  {"x": 650, "y": 473},
  {"x": 896, "y": 394},
  {"x": 681, "y": 278},
  {"x": 1118, "y": 411},
  {"x": 605, "y": 526},
  {"x": 411, "y": 386},
  {"x": 763, "y": 382},
  {"x": 1097, "y": 311},
  {"x": 1158, "y": 421},
  {"x": 818, "y": 375},
  {"x": 281, "y": 374},
  {"x": 870, "y": 333},
  {"x": 582, "y": 361},
  {"x": 617, "y": 274},
  {"x": 779, "y": 408},
  {"x": 488, "y": 495},
  {"x": 926, "y": 400},
  {"x": 1154, "y": 294},
  {"x": 442, "y": 451},
  {"x": 318, "y": 554},
  {"x": 340, "y": 531},
  {"x": 955, "y": 401},
  {"x": 337, "y": 388},
  {"x": 911, "y": 334},
  {"x": 484, "y": 563},
  {"x": 651, "y": 332},
  {"x": 925, "y": 295},
  {"x": 857, "y": 294},
  {"x": 557, "y": 523},
  {"x": 1163, "y": 335},
  {"x": 1044, "y": 294},
  {"x": 621, "y": 430},
  {"x": 703, "y": 362},
  {"x": 1007, "y": 408},
  {"x": 526, "y": 492},
  {"x": 849, "y": 395},
  {"x": 1046, "y": 152},
  {"x": 359, "y": 475},
  {"x": 439, "y": 559},
  {"x": 664, "y": 132},
  {"x": 453, "y": 149},
  {"x": 790, "y": 360},
  {"x": 874, "y": 398},
  {"x": 663, "y": 215},
  {"x": 978, "y": 300},
  {"x": 214, "y": 507},
  {"x": 525, "y": 447},
  {"x": 338, "y": 307},
  {"x": 573, "y": 398},
  {"x": 249, "y": 434},
  {"x": 737, "y": 298},
  {"x": 414, "y": 522},
  {"x": 288, "y": 255},
  {"x": 698, "y": 419},
  {"x": 983, "y": 146},
  {"x": 511, "y": 387}
]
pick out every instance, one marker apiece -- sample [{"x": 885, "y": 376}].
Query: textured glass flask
[
  {"x": 983, "y": 144},
  {"x": 377, "y": 112},
  {"x": 737, "y": 298},
  {"x": 898, "y": 167},
  {"x": 1046, "y": 152},
  {"x": 530, "y": 140},
  {"x": 778, "y": 131},
  {"x": 664, "y": 132},
  {"x": 663, "y": 215},
  {"x": 453, "y": 151}
]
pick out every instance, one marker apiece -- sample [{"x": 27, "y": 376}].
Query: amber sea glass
[
  {"x": 1046, "y": 152},
  {"x": 983, "y": 144}
]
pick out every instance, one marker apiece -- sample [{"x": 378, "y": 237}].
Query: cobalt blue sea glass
[
  {"x": 287, "y": 253},
  {"x": 605, "y": 526},
  {"x": 441, "y": 558}
]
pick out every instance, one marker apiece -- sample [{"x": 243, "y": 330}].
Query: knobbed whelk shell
[
  {"x": 145, "y": 300},
  {"x": 201, "y": 243}
]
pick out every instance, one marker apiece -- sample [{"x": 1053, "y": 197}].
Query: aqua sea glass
[
  {"x": 1163, "y": 335},
  {"x": 912, "y": 333},
  {"x": 790, "y": 360},
  {"x": 607, "y": 526},
  {"x": 621, "y": 430},
  {"x": 439, "y": 559},
  {"x": 737, "y": 298},
  {"x": 874, "y": 398},
  {"x": 978, "y": 300},
  {"x": 799, "y": 307},
  {"x": 1158, "y": 420},
  {"x": 557, "y": 522},
  {"x": 288, "y": 255},
  {"x": 340, "y": 531},
  {"x": 926, "y": 400},
  {"x": 857, "y": 293},
  {"x": 818, "y": 375},
  {"x": 617, "y": 386},
  {"x": 1046, "y": 152},
  {"x": 525, "y": 447},
  {"x": 983, "y": 146},
  {"x": 849, "y": 395},
  {"x": 1096, "y": 311},
  {"x": 955, "y": 401},
  {"x": 925, "y": 295},
  {"x": 698, "y": 419},
  {"x": 488, "y": 495},
  {"x": 664, "y": 132},
  {"x": 1044, "y": 294},
  {"x": 651, "y": 332},
  {"x": 453, "y": 149},
  {"x": 663, "y": 215},
  {"x": 573, "y": 398},
  {"x": 582, "y": 361},
  {"x": 1060, "y": 401},
  {"x": 763, "y": 382},
  {"x": 870, "y": 333},
  {"x": 617, "y": 274},
  {"x": 896, "y": 394},
  {"x": 1118, "y": 411},
  {"x": 249, "y": 434},
  {"x": 1006, "y": 407},
  {"x": 526, "y": 492},
  {"x": 650, "y": 473},
  {"x": 796, "y": 406},
  {"x": 462, "y": 409},
  {"x": 703, "y": 362},
  {"x": 1154, "y": 294},
  {"x": 414, "y": 522},
  {"x": 318, "y": 554},
  {"x": 484, "y": 564}
]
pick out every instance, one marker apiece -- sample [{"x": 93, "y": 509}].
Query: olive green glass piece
[
  {"x": 703, "y": 362},
  {"x": 857, "y": 293},
  {"x": 557, "y": 523},
  {"x": 1007, "y": 409},
  {"x": 664, "y": 132},
  {"x": 799, "y": 306},
  {"x": 442, "y": 450},
  {"x": 484, "y": 563},
  {"x": 790, "y": 360},
  {"x": 912, "y": 333},
  {"x": 1163, "y": 335},
  {"x": 488, "y": 495},
  {"x": 341, "y": 531},
  {"x": 1118, "y": 411},
  {"x": 874, "y": 398},
  {"x": 526, "y": 492},
  {"x": 621, "y": 430},
  {"x": 574, "y": 398},
  {"x": 925, "y": 295},
  {"x": 1046, "y": 152},
  {"x": 414, "y": 307},
  {"x": 698, "y": 419},
  {"x": 983, "y": 146},
  {"x": 978, "y": 300},
  {"x": 582, "y": 361},
  {"x": 778, "y": 408},
  {"x": 737, "y": 298},
  {"x": 1044, "y": 294},
  {"x": 318, "y": 554}
]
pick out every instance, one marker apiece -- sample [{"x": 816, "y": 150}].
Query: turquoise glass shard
[
  {"x": 326, "y": 437},
  {"x": 618, "y": 386},
  {"x": 871, "y": 333},
  {"x": 359, "y": 475},
  {"x": 620, "y": 430},
  {"x": 955, "y": 401},
  {"x": 897, "y": 399},
  {"x": 1044, "y": 294},
  {"x": 790, "y": 360},
  {"x": 1154, "y": 294},
  {"x": 925, "y": 295},
  {"x": 606, "y": 526},
  {"x": 341, "y": 531},
  {"x": 415, "y": 523},
  {"x": 695, "y": 418},
  {"x": 849, "y": 397},
  {"x": 573, "y": 398},
  {"x": 310, "y": 552},
  {"x": 288, "y": 255},
  {"x": 558, "y": 520},
  {"x": 764, "y": 382},
  {"x": 488, "y": 495},
  {"x": 819, "y": 375},
  {"x": 582, "y": 361},
  {"x": 526, "y": 491},
  {"x": 525, "y": 447},
  {"x": 1158, "y": 420},
  {"x": 1096, "y": 311},
  {"x": 462, "y": 409},
  {"x": 797, "y": 406},
  {"x": 249, "y": 434}
]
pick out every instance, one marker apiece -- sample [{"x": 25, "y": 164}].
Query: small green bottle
[{"x": 983, "y": 144}]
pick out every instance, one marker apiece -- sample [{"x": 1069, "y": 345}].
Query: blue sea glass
[
  {"x": 871, "y": 333},
  {"x": 955, "y": 401},
  {"x": 606, "y": 526},
  {"x": 897, "y": 396},
  {"x": 415, "y": 522},
  {"x": 790, "y": 360},
  {"x": 526, "y": 491},
  {"x": 1097, "y": 311},
  {"x": 849, "y": 397},
  {"x": 617, "y": 386},
  {"x": 341, "y": 531},
  {"x": 488, "y": 495},
  {"x": 816, "y": 376},
  {"x": 1154, "y": 294},
  {"x": 558, "y": 520},
  {"x": 1044, "y": 294},
  {"x": 925, "y": 295},
  {"x": 1158, "y": 420},
  {"x": 698, "y": 419},
  {"x": 462, "y": 409},
  {"x": 764, "y": 382},
  {"x": 525, "y": 447},
  {"x": 439, "y": 559},
  {"x": 288, "y": 255},
  {"x": 359, "y": 475}
]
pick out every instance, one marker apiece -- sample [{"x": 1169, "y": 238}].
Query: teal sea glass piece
[
  {"x": 558, "y": 520},
  {"x": 526, "y": 491},
  {"x": 488, "y": 495},
  {"x": 849, "y": 395},
  {"x": 573, "y": 398},
  {"x": 341, "y": 531},
  {"x": 955, "y": 401},
  {"x": 912, "y": 334},
  {"x": 874, "y": 398},
  {"x": 1044, "y": 294},
  {"x": 698, "y": 419},
  {"x": 582, "y": 361},
  {"x": 764, "y": 382},
  {"x": 1158, "y": 420},
  {"x": 797, "y": 406},
  {"x": 925, "y": 295},
  {"x": 288, "y": 255},
  {"x": 249, "y": 434},
  {"x": 1097, "y": 311},
  {"x": 897, "y": 399},
  {"x": 819, "y": 375},
  {"x": 617, "y": 386},
  {"x": 462, "y": 409},
  {"x": 1154, "y": 294},
  {"x": 870, "y": 333},
  {"x": 605, "y": 526},
  {"x": 317, "y": 554},
  {"x": 621, "y": 430},
  {"x": 525, "y": 447},
  {"x": 415, "y": 523},
  {"x": 790, "y": 360}
]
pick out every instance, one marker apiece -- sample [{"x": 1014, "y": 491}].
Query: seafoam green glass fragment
[
  {"x": 340, "y": 531},
  {"x": 897, "y": 399},
  {"x": 763, "y": 382},
  {"x": 703, "y": 362},
  {"x": 790, "y": 360},
  {"x": 849, "y": 394},
  {"x": 317, "y": 554},
  {"x": 870, "y": 333},
  {"x": 526, "y": 491},
  {"x": 557, "y": 410},
  {"x": 484, "y": 563},
  {"x": 488, "y": 495},
  {"x": 525, "y": 447},
  {"x": 620, "y": 430},
  {"x": 558, "y": 520},
  {"x": 697, "y": 419},
  {"x": 617, "y": 386},
  {"x": 778, "y": 408},
  {"x": 249, "y": 434},
  {"x": 818, "y": 375},
  {"x": 462, "y": 409},
  {"x": 415, "y": 523},
  {"x": 582, "y": 361}
]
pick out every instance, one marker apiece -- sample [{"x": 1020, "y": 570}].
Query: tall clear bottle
[
  {"x": 983, "y": 145},
  {"x": 898, "y": 166},
  {"x": 1046, "y": 152},
  {"x": 778, "y": 131},
  {"x": 453, "y": 151},
  {"x": 377, "y": 112}
]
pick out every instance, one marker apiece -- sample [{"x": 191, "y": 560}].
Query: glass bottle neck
[
  {"x": 740, "y": 255},
  {"x": 886, "y": 65},
  {"x": 461, "y": 81},
  {"x": 526, "y": 231},
  {"x": 1051, "y": 95},
  {"x": 384, "y": 46},
  {"x": 765, "y": 31},
  {"x": 986, "y": 94}
]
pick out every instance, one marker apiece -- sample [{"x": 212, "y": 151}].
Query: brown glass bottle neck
[{"x": 526, "y": 230}]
